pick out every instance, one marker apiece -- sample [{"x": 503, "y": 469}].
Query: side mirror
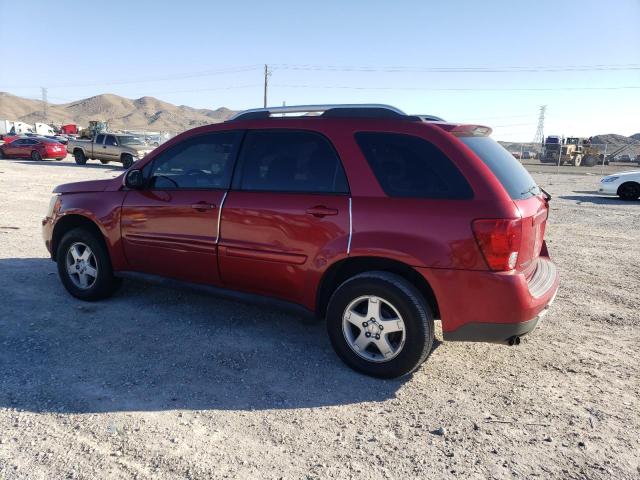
[{"x": 134, "y": 179}]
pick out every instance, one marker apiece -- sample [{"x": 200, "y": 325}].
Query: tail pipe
[{"x": 515, "y": 340}]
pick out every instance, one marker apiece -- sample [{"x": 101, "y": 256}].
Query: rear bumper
[{"x": 492, "y": 307}]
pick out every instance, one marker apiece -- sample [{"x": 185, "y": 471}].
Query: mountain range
[{"x": 145, "y": 113}]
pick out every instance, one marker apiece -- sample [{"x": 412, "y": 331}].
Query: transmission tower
[
  {"x": 45, "y": 105},
  {"x": 539, "y": 138}
]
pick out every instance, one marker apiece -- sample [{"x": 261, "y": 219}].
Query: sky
[{"x": 489, "y": 62}]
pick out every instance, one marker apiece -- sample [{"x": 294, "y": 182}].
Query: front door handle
[
  {"x": 203, "y": 206},
  {"x": 321, "y": 211}
]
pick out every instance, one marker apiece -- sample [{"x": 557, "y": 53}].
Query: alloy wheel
[
  {"x": 82, "y": 265},
  {"x": 373, "y": 328}
]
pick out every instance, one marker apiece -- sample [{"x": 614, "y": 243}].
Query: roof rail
[{"x": 337, "y": 110}]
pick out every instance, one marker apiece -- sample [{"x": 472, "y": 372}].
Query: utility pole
[
  {"x": 539, "y": 137},
  {"x": 45, "y": 104},
  {"x": 267, "y": 74}
]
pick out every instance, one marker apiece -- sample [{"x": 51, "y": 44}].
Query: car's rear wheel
[
  {"x": 79, "y": 156},
  {"x": 36, "y": 156},
  {"x": 380, "y": 324},
  {"x": 84, "y": 266},
  {"x": 1, "y": 154},
  {"x": 127, "y": 161},
  {"x": 629, "y": 191}
]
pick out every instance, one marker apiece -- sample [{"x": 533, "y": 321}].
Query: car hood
[
  {"x": 80, "y": 187},
  {"x": 630, "y": 173}
]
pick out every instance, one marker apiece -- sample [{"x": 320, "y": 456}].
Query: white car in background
[{"x": 625, "y": 185}]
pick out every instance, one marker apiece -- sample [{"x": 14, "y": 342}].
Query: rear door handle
[
  {"x": 321, "y": 211},
  {"x": 203, "y": 206}
]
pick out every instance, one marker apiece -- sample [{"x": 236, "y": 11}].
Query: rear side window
[
  {"x": 509, "y": 171},
  {"x": 290, "y": 161},
  {"x": 110, "y": 140},
  {"x": 409, "y": 166}
]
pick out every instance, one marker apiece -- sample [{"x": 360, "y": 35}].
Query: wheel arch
[
  {"x": 68, "y": 223},
  {"x": 346, "y": 268},
  {"x": 628, "y": 182}
]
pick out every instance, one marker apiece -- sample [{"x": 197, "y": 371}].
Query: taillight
[{"x": 499, "y": 240}]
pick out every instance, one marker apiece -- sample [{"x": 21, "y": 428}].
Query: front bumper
[
  {"x": 484, "y": 306},
  {"x": 609, "y": 188}
]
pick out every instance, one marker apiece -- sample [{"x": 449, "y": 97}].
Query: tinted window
[
  {"x": 408, "y": 166},
  {"x": 111, "y": 140},
  {"x": 205, "y": 161},
  {"x": 100, "y": 139},
  {"x": 286, "y": 161},
  {"x": 509, "y": 171}
]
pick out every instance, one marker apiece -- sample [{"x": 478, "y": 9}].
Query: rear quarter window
[
  {"x": 509, "y": 171},
  {"x": 411, "y": 167}
]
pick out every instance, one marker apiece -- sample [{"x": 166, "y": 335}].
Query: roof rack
[{"x": 372, "y": 110}]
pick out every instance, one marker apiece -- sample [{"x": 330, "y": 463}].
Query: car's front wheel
[
  {"x": 380, "y": 324},
  {"x": 84, "y": 266},
  {"x": 629, "y": 191},
  {"x": 79, "y": 157},
  {"x": 127, "y": 161}
]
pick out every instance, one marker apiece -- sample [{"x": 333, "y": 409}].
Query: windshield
[
  {"x": 509, "y": 171},
  {"x": 128, "y": 140}
]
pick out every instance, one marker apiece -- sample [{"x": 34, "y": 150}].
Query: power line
[
  {"x": 350, "y": 87},
  {"x": 504, "y": 69}
]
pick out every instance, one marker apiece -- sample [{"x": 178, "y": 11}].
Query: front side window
[
  {"x": 202, "y": 162},
  {"x": 111, "y": 141},
  {"x": 100, "y": 139},
  {"x": 411, "y": 167},
  {"x": 290, "y": 161}
]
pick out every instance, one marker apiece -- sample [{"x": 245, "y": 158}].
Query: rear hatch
[{"x": 531, "y": 201}]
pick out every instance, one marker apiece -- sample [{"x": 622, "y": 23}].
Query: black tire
[
  {"x": 629, "y": 191},
  {"x": 410, "y": 304},
  {"x": 105, "y": 283},
  {"x": 79, "y": 157},
  {"x": 35, "y": 156},
  {"x": 1, "y": 154},
  {"x": 589, "y": 161},
  {"x": 127, "y": 161}
]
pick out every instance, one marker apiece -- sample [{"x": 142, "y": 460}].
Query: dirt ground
[{"x": 162, "y": 384}]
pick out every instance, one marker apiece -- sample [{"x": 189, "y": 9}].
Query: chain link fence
[{"x": 578, "y": 154}]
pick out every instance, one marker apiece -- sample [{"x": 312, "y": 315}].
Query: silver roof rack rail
[{"x": 344, "y": 109}]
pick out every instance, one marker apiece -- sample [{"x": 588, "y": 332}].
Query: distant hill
[{"x": 122, "y": 113}]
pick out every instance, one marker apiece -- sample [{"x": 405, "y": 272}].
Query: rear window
[
  {"x": 411, "y": 167},
  {"x": 509, "y": 171}
]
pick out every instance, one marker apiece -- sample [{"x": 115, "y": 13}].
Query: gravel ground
[{"x": 162, "y": 384}]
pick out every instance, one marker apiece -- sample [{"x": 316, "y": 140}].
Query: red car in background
[{"x": 35, "y": 148}]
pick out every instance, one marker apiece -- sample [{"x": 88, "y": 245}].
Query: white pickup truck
[{"x": 109, "y": 147}]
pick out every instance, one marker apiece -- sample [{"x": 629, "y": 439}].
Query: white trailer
[
  {"x": 12, "y": 127},
  {"x": 44, "y": 129}
]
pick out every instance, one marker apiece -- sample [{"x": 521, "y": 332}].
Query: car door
[
  {"x": 99, "y": 148},
  {"x": 111, "y": 150},
  {"x": 170, "y": 227},
  {"x": 12, "y": 149},
  {"x": 286, "y": 216}
]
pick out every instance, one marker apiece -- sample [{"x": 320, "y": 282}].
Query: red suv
[{"x": 378, "y": 221}]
